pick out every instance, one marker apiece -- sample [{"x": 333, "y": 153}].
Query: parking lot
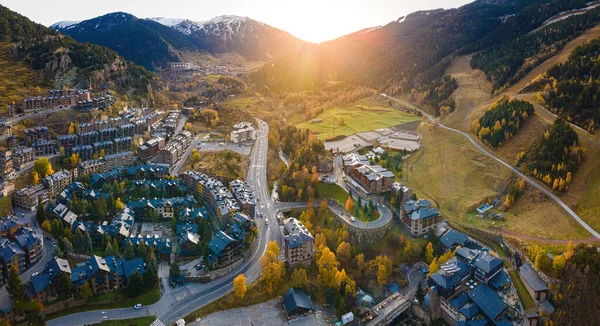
[{"x": 243, "y": 149}]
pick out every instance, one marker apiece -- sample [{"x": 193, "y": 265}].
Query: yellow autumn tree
[
  {"x": 343, "y": 251},
  {"x": 349, "y": 204},
  {"x": 570, "y": 251},
  {"x": 559, "y": 263},
  {"x": 36, "y": 178},
  {"x": 239, "y": 286},
  {"x": 429, "y": 252},
  {"x": 71, "y": 128},
  {"x": 434, "y": 266}
]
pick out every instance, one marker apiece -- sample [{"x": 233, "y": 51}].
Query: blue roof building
[
  {"x": 490, "y": 304},
  {"x": 453, "y": 238}
]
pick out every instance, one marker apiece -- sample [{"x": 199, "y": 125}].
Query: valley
[{"x": 178, "y": 170}]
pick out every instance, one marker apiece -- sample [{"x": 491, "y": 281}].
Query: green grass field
[
  {"x": 364, "y": 115},
  {"x": 331, "y": 191}
]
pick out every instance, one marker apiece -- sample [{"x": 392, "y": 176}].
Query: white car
[
  {"x": 35, "y": 274},
  {"x": 352, "y": 218},
  {"x": 138, "y": 306}
]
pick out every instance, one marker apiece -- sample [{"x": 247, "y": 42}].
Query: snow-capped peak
[
  {"x": 65, "y": 24},
  {"x": 169, "y": 22}
]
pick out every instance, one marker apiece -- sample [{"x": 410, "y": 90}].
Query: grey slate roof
[{"x": 532, "y": 278}]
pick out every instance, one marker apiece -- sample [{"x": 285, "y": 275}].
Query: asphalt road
[
  {"x": 529, "y": 180},
  {"x": 178, "y": 303}
]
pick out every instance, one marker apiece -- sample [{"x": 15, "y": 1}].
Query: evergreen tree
[
  {"x": 174, "y": 269},
  {"x": 15, "y": 288},
  {"x": 135, "y": 285},
  {"x": 40, "y": 215},
  {"x": 109, "y": 251},
  {"x": 128, "y": 254},
  {"x": 151, "y": 276},
  {"x": 87, "y": 244},
  {"x": 64, "y": 285},
  {"x": 115, "y": 246},
  {"x": 420, "y": 295}
]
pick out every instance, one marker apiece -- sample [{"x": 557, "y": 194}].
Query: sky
[{"x": 310, "y": 20}]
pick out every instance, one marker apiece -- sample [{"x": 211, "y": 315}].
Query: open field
[
  {"x": 331, "y": 191},
  {"x": 458, "y": 177},
  {"x": 364, "y": 115},
  {"x": 225, "y": 165}
]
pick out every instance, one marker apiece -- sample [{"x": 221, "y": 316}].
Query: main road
[
  {"x": 529, "y": 180},
  {"x": 178, "y": 303}
]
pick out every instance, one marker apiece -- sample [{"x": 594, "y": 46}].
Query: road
[
  {"x": 529, "y": 180},
  {"x": 180, "y": 302}
]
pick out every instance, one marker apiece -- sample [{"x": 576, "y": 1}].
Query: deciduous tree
[{"x": 239, "y": 286}]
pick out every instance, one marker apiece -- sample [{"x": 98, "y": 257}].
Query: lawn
[
  {"x": 331, "y": 191},
  {"x": 142, "y": 321},
  {"x": 364, "y": 115},
  {"x": 524, "y": 295},
  {"x": 116, "y": 299}
]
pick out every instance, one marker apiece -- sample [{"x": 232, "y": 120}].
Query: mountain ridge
[{"x": 167, "y": 37}]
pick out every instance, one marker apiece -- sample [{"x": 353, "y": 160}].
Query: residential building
[
  {"x": 165, "y": 207},
  {"x": 151, "y": 148},
  {"x": 85, "y": 152},
  {"x": 162, "y": 246},
  {"x": 107, "y": 134},
  {"x": 122, "y": 144},
  {"x": 21, "y": 156},
  {"x": 44, "y": 147},
  {"x": 353, "y": 161},
  {"x": 6, "y": 163},
  {"x": 219, "y": 198},
  {"x": 243, "y": 132},
  {"x": 106, "y": 146},
  {"x": 298, "y": 243},
  {"x": 373, "y": 178},
  {"x": 419, "y": 217},
  {"x": 12, "y": 142},
  {"x": 122, "y": 159},
  {"x": 224, "y": 250},
  {"x": 452, "y": 239},
  {"x": 401, "y": 193},
  {"x": 88, "y": 137},
  {"x": 57, "y": 182},
  {"x": 188, "y": 241},
  {"x": 35, "y": 134},
  {"x": 244, "y": 194},
  {"x": 67, "y": 141},
  {"x": 91, "y": 167},
  {"x": 27, "y": 198}
]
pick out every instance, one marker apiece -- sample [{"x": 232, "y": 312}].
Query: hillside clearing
[{"x": 364, "y": 115}]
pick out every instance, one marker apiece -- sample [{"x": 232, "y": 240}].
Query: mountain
[
  {"x": 143, "y": 41},
  {"x": 155, "y": 41},
  {"x": 412, "y": 53},
  {"x": 55, "y": 60}
]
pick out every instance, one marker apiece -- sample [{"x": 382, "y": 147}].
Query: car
[
  {"x": 35, "y": 274},
  {"x": 138, "y": 306},
  {"x": 267, "y": 222},
  {"x": 352, "y": 219},
  {"x": 54, "y": 244}
]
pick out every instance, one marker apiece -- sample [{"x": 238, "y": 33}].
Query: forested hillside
[
  {"x": 143, "y": 41},
  {"x": 410, "y": 55},
  {"x": 554, "y": 157},
  {"x": 502, "y": 121},
  {"x": 506, "y": 62},
  {"x": 57, "y": 57},
  {"x": 572, "y": 89}
]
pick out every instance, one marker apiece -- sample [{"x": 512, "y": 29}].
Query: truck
[{"x": 347, "y": 318}]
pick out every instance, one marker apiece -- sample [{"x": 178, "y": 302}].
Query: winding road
[{"x": 529, "y": 180}]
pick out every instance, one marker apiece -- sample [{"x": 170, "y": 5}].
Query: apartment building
[{"x": 298, "y": 243}]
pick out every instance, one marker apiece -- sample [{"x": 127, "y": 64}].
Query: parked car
[
  {"x": 138, "y": 306},
  {"x": 35, "y": 274},
  {"x": 352, "y": 219}
]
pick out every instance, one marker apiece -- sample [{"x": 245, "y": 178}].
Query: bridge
[{"x": 389, "y": 309}]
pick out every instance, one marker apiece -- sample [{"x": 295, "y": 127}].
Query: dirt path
[{"x": 543, "y": 240}]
